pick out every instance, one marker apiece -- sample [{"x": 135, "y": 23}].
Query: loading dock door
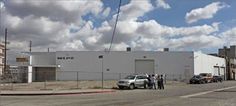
[
  {"x": 216, "y": 70},
  {"x": 45, "y": 73},
  {"x": 223, "y": 72},
  {"x": 144, "y": 66}
]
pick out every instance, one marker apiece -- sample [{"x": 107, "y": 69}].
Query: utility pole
[
  {"x": 30, "y": 46},
  {"x": 5, "y": 51},
  {"x": 227, "y": 64}
]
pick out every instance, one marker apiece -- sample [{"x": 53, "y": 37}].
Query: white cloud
[
  {"x": 120, "y": 46},
  {"x": 1, "y": 5},
  {"x": 106, "y": 12},
  {"x": 75, "y": 45},
  {"x": 152, "y": 29},
  {"x": 195, "y": 42},
  {"x": 162, "y": 4},
  {"x": 206, "y": 12},
  {"x": 65, "y": 11},
  {"x": 135, "y": 9},
  {"x": 229, "y": 36}
]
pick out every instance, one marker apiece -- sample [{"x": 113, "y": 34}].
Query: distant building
[
  {"x": 2, "y": 47},
  {"x": 18, "y": 73},
  {"x": 230, "y": 55}
]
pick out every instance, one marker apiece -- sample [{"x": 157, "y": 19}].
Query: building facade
[
  {"x": 64, "y": 65},
  {"x": 2, "y": 48},
  {"x": 230, "y": 56}
]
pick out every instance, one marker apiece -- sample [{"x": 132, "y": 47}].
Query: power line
[{"x": 114, "y": 30}]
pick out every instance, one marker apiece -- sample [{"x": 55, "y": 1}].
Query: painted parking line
[{"x": 206, "y": 92}]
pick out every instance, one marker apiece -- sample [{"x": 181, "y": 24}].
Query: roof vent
[
  {"x": 166, "y": 49},
  {"x": 128, "y": 49}
]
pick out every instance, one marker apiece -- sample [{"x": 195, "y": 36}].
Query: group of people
[{"x": 155, "y": 81}]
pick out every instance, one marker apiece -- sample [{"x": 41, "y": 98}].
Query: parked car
[
  {"x": 207, "y": 76},
  {"x": 133, "y": 81},
  {"x": 197, "y": 79},
  {"x": 217, "y": 79}
]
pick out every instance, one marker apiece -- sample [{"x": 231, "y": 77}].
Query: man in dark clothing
[
  {"x": 149, "y": 81},
  {"x": 161, "y": 82},
  {"x": 158, "y": 82}
]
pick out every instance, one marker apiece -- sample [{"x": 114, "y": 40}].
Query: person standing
[
  {"x": 161, "y": 82},
  {"x": 153, "y": 79},
  {"x": 149, "y": 81},
  {"x": 158, "y": 82}
]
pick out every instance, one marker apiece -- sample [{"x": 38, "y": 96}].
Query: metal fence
[
  {"x": 82, "y": 75},
  {"x": 68, "y": 80}
]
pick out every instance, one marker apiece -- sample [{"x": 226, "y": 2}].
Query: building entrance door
[{"x": 45, "y": 73}]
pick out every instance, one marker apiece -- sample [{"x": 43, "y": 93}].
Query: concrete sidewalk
[{"x": 54, "y": 92}]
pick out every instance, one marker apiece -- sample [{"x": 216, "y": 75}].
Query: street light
[{"x": 101, "y": 57}]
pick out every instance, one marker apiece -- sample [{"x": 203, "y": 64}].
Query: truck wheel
[{"x": 131, "y": 86}]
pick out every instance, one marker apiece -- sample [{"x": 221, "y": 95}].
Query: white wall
[
  {"x": 205, "y": 63},
  {"x": 174, "y": 64},
  {"x": 90, "y": 66},
  {"x": 177, "y": 65},
  {"x": 44, "y": 58}
]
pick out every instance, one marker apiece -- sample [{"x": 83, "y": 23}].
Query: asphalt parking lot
[{"x": 212, "y": 94}]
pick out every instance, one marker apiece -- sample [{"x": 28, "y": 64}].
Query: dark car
[
  {"x": 197, "y": 79},
  {"x": 217, "y": 79}
]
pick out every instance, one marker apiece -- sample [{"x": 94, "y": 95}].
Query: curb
[{"x": 55, "y": 93}]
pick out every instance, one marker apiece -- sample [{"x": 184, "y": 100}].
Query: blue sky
[
  {"x": 175, "y": 15},
  {"x": 183, "y": 25}
]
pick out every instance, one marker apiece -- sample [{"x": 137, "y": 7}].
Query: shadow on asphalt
[
  {"x": 226, "y": 91},
  {"x": 201, "y": 97},
  {"x": 128, "y": 88}
]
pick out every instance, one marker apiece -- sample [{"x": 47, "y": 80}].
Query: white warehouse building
[{"x": 92, "y": 65}]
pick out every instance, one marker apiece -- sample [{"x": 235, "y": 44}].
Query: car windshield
[
  {"x": 203, "y": 74},
  {"x": 197, "y": 76},
  {"x": 130, "y": 77}
]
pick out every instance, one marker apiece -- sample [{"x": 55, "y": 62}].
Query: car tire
[
  {"x": 121, "y": 87},
  {"x": 220, "y": 80},
  {"x": 203, "y": 82},
  {"x": 145, "y": 86},
  {"x": 131, "y": 86}
]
